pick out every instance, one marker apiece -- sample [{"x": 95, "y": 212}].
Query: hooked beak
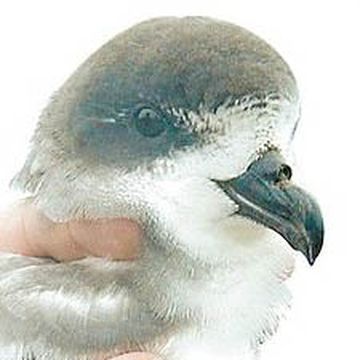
[{"x": 265, "y": 194}]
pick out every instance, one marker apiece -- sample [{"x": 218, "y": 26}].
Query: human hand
[{"x": 24, "y": 230}]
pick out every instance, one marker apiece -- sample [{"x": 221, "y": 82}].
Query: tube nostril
[{"x": 284, "y": 173}]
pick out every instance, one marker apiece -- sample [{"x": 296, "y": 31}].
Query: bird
[{"x": 184, "y": 125}]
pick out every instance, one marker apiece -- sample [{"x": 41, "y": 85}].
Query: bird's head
[{"x": 185, "y": 123}]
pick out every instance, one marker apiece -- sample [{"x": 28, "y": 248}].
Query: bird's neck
[
  {"x": 242, "y": 301},
  {"x": 192, "y": 283}
]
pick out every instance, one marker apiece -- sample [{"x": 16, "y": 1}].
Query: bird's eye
[
  {"x": 149, "y": 122},
  {"x": 285, "y": 172}
]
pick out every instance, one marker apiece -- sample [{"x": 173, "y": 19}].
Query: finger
[{"x": 25, "y": 230}]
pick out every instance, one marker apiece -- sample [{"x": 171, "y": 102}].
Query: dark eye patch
[{"x": 128, "y": 133}]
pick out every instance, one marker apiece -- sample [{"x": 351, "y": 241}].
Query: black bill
[{"x": 265, "y": 194}]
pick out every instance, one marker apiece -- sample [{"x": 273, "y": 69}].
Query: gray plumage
[{"x": 152, "y": 127}]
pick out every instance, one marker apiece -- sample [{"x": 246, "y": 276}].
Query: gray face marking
[
  {"x": 181, "y": 71},
  {"x": 170, "y": 67}
]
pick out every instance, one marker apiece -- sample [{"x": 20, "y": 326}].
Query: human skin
[{"x": 24, "y": 230}]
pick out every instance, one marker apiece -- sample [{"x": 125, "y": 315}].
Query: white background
[{"x": 42, "y": 42}]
